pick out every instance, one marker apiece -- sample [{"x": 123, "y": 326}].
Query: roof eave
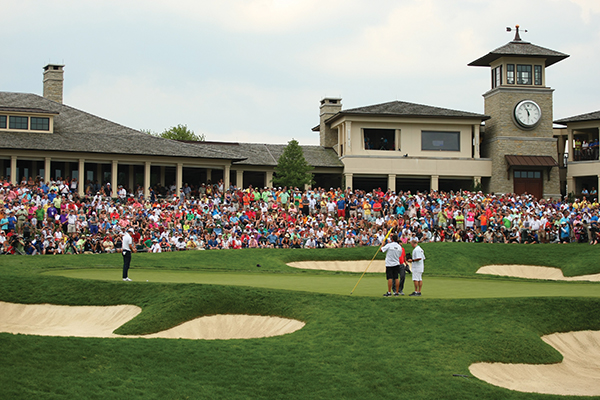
[
  {"x": 488, "y": 59},
  {"x": 343, "y": 114}
]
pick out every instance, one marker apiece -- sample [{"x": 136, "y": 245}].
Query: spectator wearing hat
[{"x": 564, "y": 232}]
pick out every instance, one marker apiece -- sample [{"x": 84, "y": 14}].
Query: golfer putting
[
  {"x": 394, "y": 266},
  {"x": 418, "y": 265}
]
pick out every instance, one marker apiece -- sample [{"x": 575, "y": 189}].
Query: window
[
  {"x": 523, "y": 74},
  {"x": 510, "y": 74},
  {"x": 40, "y": 124},
  {"x": 380, "y": 139},
  {"x": 528, "y": 174},
  {"x": 25, "y": 123},
  {"x": 440, "y": 141},
  {"x": 497, "y": 76},
  {"x": 537, "y": 74},
  {"x": 18, "y": 122}
]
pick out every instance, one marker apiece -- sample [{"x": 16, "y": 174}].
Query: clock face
[{"x": 527, "y": 114}]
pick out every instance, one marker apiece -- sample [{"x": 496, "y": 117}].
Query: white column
[
  {"x": 178, "y": 178},
  {"x": 348, "y": 181},
  {"x": 392, "y": 182},
  {"x": 114, "y": 172},
  {"x": 570, "y": 144},
  {"x": 147, "y": 180},
  {"x": 476, "y": 150},
  {"x": 435, "y": 182},
  {"x": 209, "y": 175},
  {"x": 34, "y": 171},
  {"x": 226, "y": 174},
  {"x": 348, "y": 125},
  {"x": 239, "y": 179},
  {"x": 13, "y": 170},
  {"x": 47, "y": 161},
  {"x": 162, "y": 175},
  {"x": 81, "y": 179},
  {"x": 269, "y": 179}
]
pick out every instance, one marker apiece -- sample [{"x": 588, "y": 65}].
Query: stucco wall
[{"x": 408, "y": 136}]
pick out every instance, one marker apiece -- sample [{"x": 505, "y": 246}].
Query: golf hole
[{"x": 101, "y": 322}]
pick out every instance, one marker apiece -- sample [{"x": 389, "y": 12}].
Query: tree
[
  {"x": 292, "y": 168},
  {"x": 179, "y": 132}
]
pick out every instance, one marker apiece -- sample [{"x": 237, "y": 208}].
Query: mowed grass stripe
[{"x": 371, "y": 285}]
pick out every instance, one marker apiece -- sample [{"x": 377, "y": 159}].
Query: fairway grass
[
  {"x": 362, "y": 346},
  {"x": 434, "y": 287}
]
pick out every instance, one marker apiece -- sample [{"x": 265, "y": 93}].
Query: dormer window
[
  {"x": 40, "y": 124},
  {"x": 16, "y": 122},
  {"x": 26, "y": 119}
]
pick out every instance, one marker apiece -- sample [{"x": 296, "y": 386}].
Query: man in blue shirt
[
  {"x": 272, "y": 239},
  {"x": 12, "y": 221}
]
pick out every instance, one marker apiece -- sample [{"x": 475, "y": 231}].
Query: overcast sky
[{"x": 255, "y": 70}]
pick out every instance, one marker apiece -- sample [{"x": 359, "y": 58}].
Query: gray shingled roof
[
  {"x": 592, "y": 116},
  {"x": 519, "y": 48},
  {"x": 317, "y": 156},
  {"x": 268, "y": 154},
  {"x": 405, "y": 109},
  {"x": 79, "y": 131},
  {"x": 26, "y": 110}
]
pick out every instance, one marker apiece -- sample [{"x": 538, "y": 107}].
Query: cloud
[
  {"x": 588, "y": 7},
  {"x": 255, "y": 16},
  {"x": 415, "y": 38},
  {"x": 221, "y": 109}
]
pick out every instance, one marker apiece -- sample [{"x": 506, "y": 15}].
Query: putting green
[{"x": 433, "y": 287}]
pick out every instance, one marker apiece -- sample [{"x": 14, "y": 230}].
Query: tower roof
[{"x": 519, "y": 48}]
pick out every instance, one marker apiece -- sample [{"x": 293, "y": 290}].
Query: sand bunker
[
  {"x": 93, "y": 321},
  {"x": 577, "y": 375},
  {"x": 534, "y": 272},
  {"x": 346, "y": 266}
]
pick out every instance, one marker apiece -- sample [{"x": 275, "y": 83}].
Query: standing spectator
[
  {"x": 394, "y": 258},
  {"x": 418, "y": 266},
  {"x": 128, "y": 248}
]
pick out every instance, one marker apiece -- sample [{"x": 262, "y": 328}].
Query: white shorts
[{"x": 417, "y": 275}]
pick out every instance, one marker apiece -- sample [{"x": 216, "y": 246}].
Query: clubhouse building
[{"x": 514, "y": 146}]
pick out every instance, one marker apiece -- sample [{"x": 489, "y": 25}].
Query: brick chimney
[
  {"x": 53, "y": 82},
  {"x": 329, "y": 107}
]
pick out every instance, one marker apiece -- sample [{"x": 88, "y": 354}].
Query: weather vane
[{"x": 517, "y": 37}]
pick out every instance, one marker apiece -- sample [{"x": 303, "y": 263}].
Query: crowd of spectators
[{"x": 50, "y": 218}]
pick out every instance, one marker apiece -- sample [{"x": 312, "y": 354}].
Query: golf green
[{"x": 370, "y": 285}]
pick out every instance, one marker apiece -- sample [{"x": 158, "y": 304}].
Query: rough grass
[{"x": 350, "y": 348}]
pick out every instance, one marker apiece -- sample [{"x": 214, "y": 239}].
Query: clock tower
[{"x": 518, "y": 137}]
